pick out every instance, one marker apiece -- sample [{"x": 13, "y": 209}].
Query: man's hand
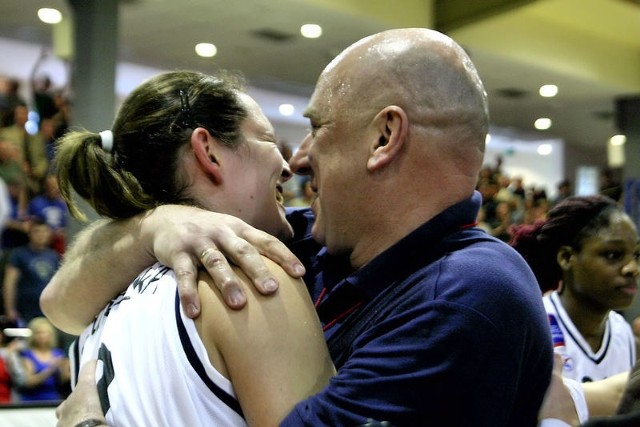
[
  {"x": 83, "y": 404},
  {"x": 185, "y": 237}
]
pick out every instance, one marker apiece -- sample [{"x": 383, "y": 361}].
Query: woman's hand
[{"x": 186, "y": 237}]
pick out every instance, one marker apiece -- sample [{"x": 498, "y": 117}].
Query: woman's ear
[
  {"x": 392, "y": 124},
  {"x": 205, "y": 146},
  {"x": 565, "y": 257}
]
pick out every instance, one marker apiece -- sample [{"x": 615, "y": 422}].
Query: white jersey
[
  {"x": 616, "y": 354},
  {"x": 153, "y": 368}
]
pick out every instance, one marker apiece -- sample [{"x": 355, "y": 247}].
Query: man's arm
[
  {"x": 107, "y": 255},
  {"x": 11, "y": 276}
]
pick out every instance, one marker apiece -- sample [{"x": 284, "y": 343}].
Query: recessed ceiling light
[
  {"x": 206, "y": 50},
  {"x": 286, "y": 109},
  {"x": 548, "y": 91},
  {"x": 545, "y": 149},
  {"x": 49, "y": 16},
  {"x": 311, "y": 31},
  {"x": 618, "y": 140},
  {"x": 542, "y": 123}
]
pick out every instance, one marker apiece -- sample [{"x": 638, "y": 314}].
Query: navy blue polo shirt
[{"x": 464, "y": 342}]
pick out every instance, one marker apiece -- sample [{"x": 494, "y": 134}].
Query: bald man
[{"x": 429, "y": 320}]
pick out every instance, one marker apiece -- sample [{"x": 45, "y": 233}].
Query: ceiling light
[
  {"x": 286, "y": 109},
  {"x": 545, "y": 149},
  {"x": 487, "y": 139},
  {"x": 542, "y": 123},
  {"x": 618, "y": 140},
  {"x": 206, "y": 50},
  {"x": 548, "y": 91},
  {"x": 311, "y": 31},
  {"x": 49, "y": 16}
]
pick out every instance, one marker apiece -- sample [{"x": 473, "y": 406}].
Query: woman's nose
[
  {"x": 286, "y": 174},
  {"x": 632, "y": 267}
]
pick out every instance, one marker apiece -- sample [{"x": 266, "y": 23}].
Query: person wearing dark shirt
[{"x": 427, "y": 318}]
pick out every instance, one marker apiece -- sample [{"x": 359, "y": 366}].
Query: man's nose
[{"x": 299, "y": 162}]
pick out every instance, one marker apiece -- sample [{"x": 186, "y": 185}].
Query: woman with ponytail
[{"x": 193, "y": 139}]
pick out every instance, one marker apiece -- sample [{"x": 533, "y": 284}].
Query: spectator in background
[
  {"x": 517, "y": 187},
  {"x": 46, "y": 367},
  {"x": 16, "y": 226},
  {"x": 565, "y": 189},
  {"x": 51, "y": 207},
  {"x": 610, "y": 185},
  {"x": 42, "y": 90},
  {"x": 306, "y": 196},
  {"x": 11, "y": 372},
  {"x": 27, "y": 272},
  {"x": 39, "y": 151},
  {"x": 29, "y": 151},
  {"x": 590, "y": 247},
  {"x": 501, "y": 225},
  {"x": 11, "y": 169},
  {"x": 12, "y": 99},
  {"x": 48, "y": 130},
  {"x": 16, "y": 134}
]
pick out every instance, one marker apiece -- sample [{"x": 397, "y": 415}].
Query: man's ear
[
  {"x": 565, "y": 257},
  {"x": 205, "y": 147},
  {"x": 392, "y": 124}
]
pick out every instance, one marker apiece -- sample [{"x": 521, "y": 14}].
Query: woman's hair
[
  {"x": 37, "y": 322},
  {"x": 150, "y": 131},
  {"x": 569, "y": 223}
]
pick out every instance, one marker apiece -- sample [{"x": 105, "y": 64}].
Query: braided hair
[{"x": 569, "y": 223}]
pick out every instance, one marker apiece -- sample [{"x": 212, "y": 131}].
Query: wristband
[{"x": 92, "y": 422}]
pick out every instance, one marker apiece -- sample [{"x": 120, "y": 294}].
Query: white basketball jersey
[
  {"x": 616, "y": 354},
  {"x": 153, "y": 369}
]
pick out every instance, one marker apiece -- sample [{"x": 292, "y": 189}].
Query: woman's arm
[
  {"x": 603, "y": 396},
  {"x": 107, "y": 255},
  {"x": 103, "y": 260},
  {"x": 273, "y": 351},
  {"x": 33, "y": 379}
]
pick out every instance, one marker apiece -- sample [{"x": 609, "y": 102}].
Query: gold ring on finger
[{"x": 205, "y": 253}]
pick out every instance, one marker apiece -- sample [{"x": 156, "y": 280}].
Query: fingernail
[
  {"x": 193, "y": 310},
  {"x": 270, "y": 285},
  {"x": 236, "y": 297},
  {"x": 299, "y": 269}
]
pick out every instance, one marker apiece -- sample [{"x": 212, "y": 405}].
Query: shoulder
[
  {"x": 475, "y": 259},
  {"x": 261, "y": 313},
  {"x": 484, "y": 275}
]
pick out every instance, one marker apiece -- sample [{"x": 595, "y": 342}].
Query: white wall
[
  {"x": 521, "y": 158},
  {"x": 28, "y": 417}
]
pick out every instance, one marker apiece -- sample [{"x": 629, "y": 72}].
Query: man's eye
[{"x": 314, "y": 129}]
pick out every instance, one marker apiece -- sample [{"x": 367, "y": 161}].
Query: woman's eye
[{"x": 614, "y": 255}]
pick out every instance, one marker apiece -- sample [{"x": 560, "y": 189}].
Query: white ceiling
[{"x": 589, "y": 48}]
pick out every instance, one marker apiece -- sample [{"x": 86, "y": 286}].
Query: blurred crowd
[
  {"x": 509, "y": 201},
  {"x": 33, "y": 362}
]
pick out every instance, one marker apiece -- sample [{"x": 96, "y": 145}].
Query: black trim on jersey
[
  {"x": 586, "y": 353},
  {"x": 197, "y": 365},
  {"x": 74, "y": 353}
]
